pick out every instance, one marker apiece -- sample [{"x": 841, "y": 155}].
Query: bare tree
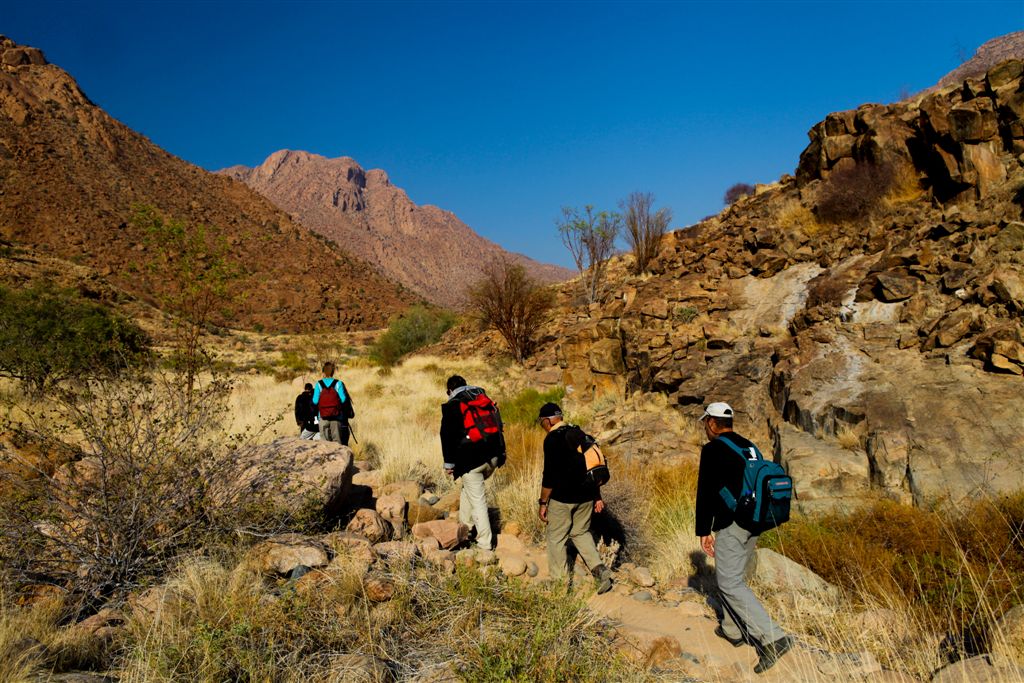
[
  {"x": 644, "y": 227},
  {"x": 590, "y": 237},
  {"x": 513, "y": 303}
]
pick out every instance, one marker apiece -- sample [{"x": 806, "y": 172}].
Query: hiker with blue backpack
[
  {"x": 739, "y": 496},
  {"x": 334, "y": 407}
]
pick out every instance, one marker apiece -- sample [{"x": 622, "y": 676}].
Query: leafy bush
[
  {"x": 736, "y": 192},
  {"x": 414, "y": 329},
  {"x": 523, "y": 407},
  {"x": 854, "y": 192},
  {"x": 49, "y": 334}
]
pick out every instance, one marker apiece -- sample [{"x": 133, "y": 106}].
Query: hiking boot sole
[{"x": 604, "y": 586}]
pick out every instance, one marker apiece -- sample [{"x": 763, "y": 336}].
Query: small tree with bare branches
[
  {"x": 590, "y": 238},
  {"x": 644, "y": 227},
  {"x": 509, "y": 300}
]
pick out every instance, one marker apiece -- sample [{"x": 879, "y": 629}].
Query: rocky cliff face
[
  {"x": 879, "y": 354},
  {"x": 70, "y": 175},
  {"x": 425, "y": 248}
]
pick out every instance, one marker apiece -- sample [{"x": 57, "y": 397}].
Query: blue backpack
[{"x": 767, "y": 491}]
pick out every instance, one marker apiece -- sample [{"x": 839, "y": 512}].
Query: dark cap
[{"x": 549, "y": 410}]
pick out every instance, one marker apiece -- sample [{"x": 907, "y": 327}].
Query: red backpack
[
  {"x": 480, "y": 418},
  {"x": 330, "y": 404}
]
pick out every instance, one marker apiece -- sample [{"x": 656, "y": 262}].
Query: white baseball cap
[{"x": 717, "y": 410}]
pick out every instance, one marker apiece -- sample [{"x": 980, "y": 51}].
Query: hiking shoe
[
  {"x": 735, "y": 642},
  {"x": 772, "y": 652},
  {"x": 604, "y": 578}
]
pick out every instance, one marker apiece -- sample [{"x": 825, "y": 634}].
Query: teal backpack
[{"x": 767, "y": 491}]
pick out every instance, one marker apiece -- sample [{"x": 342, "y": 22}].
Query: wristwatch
[{"x": 542, "y": 502}]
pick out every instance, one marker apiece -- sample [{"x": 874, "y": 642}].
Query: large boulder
[
  {"x": 296, "y": 475},
  {"x": 371, "y": 525},
  {"x": 786, "y": 576}
]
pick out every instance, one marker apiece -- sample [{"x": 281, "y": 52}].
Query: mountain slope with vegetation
[{"x": 71, "y": 178}]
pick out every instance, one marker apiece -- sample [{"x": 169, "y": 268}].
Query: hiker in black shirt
[
  {"x": 744, "y": 619},
  {"x": 305, "y": 414},
  {"x": 567, "y": 500}
]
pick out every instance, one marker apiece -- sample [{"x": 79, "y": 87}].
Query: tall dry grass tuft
[{"x": 221, "y": 624}]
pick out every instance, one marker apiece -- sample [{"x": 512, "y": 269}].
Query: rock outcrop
[
  {"x": 876, "y": 354},
  {"x": 70, "y": 176},
  {"x": 425, "y": 248}
]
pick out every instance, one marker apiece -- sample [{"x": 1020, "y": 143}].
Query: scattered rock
[
  {"x": 371, "y": 525},
  {"x": 410, "y": 490},
  {"x": 512, "y": 565},
  {"x": 641, "y": 576},
  {"x": 282, "y": 554},
  {"x": 783, "y": 574},
  {"x": 396, "y": 550},
  {"x": 448, "y": 532},
  {"x": 532, "y": 569},
  {"x": 379, "y": 589},
  {"x": 980, "y": 669},
  {"x": 643, "y": 596}
]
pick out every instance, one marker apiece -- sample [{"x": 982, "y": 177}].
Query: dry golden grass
[
  {"x": 849, "y": 438},
  {"x": 792, "y": 215},
  {"x": 905, "y": 188}
]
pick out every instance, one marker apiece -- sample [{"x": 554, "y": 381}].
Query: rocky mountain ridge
[
  {"x": 426, "y": 248},
  {"x": 70, "y": 176},
  {"x": 877, "y": 354}
]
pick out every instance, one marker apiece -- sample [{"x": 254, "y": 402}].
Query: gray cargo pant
[
  {"x": 567, "y": 522},
  {"x": 473, "y": 504},
  {"x": 734, "y": 546}
]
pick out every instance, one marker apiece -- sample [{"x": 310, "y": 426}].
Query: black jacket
[
  {"x": 305, "y": 412},
  {"x": 456, "y": 448},
  {"x": 565, "y": 470},
  {"x": 720, "y": 466}
]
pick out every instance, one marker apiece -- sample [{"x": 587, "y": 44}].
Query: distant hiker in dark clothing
[
  {"x": 334, "y": 406},
  {"x": 473, "y": 446},
  {"x": 567, "y": 499},
  {"x": 721, "y": 468},
  {"x": 305, "y": 414}
]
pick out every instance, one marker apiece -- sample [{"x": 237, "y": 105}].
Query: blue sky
[{"x": 504, "y": 112}]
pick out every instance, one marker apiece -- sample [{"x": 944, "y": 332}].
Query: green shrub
[
  {"x": 523, "y": 408},
  {"x": 414, "y": 329},
  {"x": 49, "y": 334}
]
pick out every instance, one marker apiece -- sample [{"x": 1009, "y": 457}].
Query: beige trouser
[
  {"x": 570, "y": 522},
  {"x": 473, "y": 504}
]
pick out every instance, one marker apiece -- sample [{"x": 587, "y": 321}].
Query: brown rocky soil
[
  {"x": 425, "y": 248},
  {"x": 70, "y": 175},
  {"x": 880, "y": 354}
]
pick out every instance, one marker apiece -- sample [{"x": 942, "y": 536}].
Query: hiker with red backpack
[
  {"x": 473, "y": 446},
  {"x": 334, "y": 407}
]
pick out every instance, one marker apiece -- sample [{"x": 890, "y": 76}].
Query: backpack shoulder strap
[
  {"x": 322, "y": 385},
  {"x": 738, "y": 450}
]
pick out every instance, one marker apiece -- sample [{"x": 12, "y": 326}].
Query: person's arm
[
  {"x": 705, "y": 504},
  {"x": 599, "y": 505},
  {"x": 299, "y": 417},
  {"x": 451, "y": 434},
  {"x": 547, "y": 480},
  {"x": 316, "y": 397}
]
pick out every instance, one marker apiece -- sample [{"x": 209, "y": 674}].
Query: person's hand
[
  {"x": 299, "y": 423},
  {"x": 543, "y": 513},
  {"x": 599, "y": 506},
  {"x": 450, "y": 471},
  {"x": 707, "y": 544}
]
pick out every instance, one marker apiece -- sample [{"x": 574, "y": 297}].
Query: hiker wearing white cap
[{"x": 744, "y": 619}]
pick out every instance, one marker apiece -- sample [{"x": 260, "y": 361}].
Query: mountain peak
[{"x": 426, "y": 248}]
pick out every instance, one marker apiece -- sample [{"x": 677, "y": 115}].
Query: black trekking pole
[{"x": 353, "y": 433}]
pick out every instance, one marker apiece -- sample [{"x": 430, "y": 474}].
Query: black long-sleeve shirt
[
  {"x": 305, "y": 413},
  {"x": 720, "y": 466},
  {"x": 565, "y": 469}
]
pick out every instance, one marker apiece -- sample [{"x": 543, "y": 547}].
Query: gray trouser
[
  {"x": 309, "y": 436},
  {"x": 473, "y": 504},
  {"x": 566, "y": 522},
  {"x": 334, "y": 430},
  {"x": 734, "y": 547}
]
